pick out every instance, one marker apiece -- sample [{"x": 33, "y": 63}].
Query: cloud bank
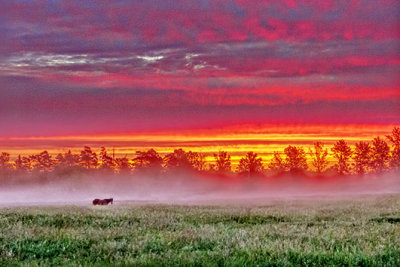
[{"x": 81, "y": 67}]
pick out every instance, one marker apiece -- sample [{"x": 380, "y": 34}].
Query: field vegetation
[{"x": 349, "y": 231}]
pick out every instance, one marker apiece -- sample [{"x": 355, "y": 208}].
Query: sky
[{"x": 136, "y": 70}]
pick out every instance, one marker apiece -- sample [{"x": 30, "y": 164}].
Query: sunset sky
[{"x": 204, "y": 75}]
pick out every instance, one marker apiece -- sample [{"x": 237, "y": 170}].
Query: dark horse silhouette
[{"x": 105, "y": 201}]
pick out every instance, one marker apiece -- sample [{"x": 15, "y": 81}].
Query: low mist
[{"x": 192, "y": 189}]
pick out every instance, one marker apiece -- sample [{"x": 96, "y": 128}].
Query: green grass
[{"x": 364, "y": 231}]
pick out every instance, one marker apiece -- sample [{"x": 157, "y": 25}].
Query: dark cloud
[{"x": 91, "y": 66}]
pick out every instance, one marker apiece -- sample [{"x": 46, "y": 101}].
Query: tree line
[{"x": 378, "y": 156}]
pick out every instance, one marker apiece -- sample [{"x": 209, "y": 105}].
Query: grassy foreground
[{"x": 362, "y": 231}]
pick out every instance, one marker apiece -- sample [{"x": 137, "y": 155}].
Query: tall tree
[
  {"x": 88, "y": 158},
  {"x": 362, "y": 157},
  {"x": 4, "y": 161},
  {"x": 107, "y": 162},
  {"x": 43, "y": 162},
  {"x": 342, "y": 153},
  {"x": 19, "y": 165},
  {"x": 197, "y": 160},
  {"x": 251, "y": 164},
  {"x": 380, "y": 155},
  {"x": 319, "y": 157},
  {"x": 177, "y": 159},
  {"x": 27, "y": 162},
  {"x": 295, "y": 160},
  {"x": 123, "y": 165},
  {"x": 395, "y": 140},
  {"x": 180, "y": 159},
  {"x": 67, "y": 159},
  {"x": 277, "y": 163},
  {"x": 148, "y": 160},
  {"x": 222, "y": 162}
]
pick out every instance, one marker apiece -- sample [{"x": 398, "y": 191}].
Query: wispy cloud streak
[{"x": 141, "y": 64}]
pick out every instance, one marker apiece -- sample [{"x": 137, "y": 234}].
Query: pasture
[{"x": 362, "y": 230}]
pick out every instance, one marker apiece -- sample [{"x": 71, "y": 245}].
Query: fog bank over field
[{"x": 194, "y": 189}]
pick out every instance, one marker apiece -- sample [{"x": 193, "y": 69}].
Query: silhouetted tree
[
  {"x": 277, "y": 164},
  {"x": 39, "y": 162},
  {"x": 362, "y": 157},
  {"x": 27, "y": 162},
  {"x": 177, "y": 159},
  {"x": 250, "y": 164},
  {"x": 395, "y": 140},
  {"x": 107, "y": 162},
  {"x": 197, "y": 160},
  {"x": 19, "y": 165},
  {"x": 319, "y": 157},
  {"x": 222, "y": 162},
  {"x": 123, "y": 165},
  {"x": 88, "y": 158},
  {"x": 43, "y": 162},
  {"x": 68, "y": 159},
  {"x": 380, "y": 155},
  {"x": 295, "y": 160},
  {"x": 148, "y": 160},
  {"x": 180, "y": 159},
  {"x": 342, "y": 153},
  {"x": 5, "y": 161}
]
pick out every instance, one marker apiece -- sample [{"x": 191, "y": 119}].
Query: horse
[{"x": 102, "y": 202}]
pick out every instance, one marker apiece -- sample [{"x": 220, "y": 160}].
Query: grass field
[{"x": 353, "y": 231}]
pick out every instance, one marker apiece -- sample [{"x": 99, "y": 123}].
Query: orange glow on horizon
[
  {"x": 237, "y": 140},
  {"x": 242, "y": 132}
]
